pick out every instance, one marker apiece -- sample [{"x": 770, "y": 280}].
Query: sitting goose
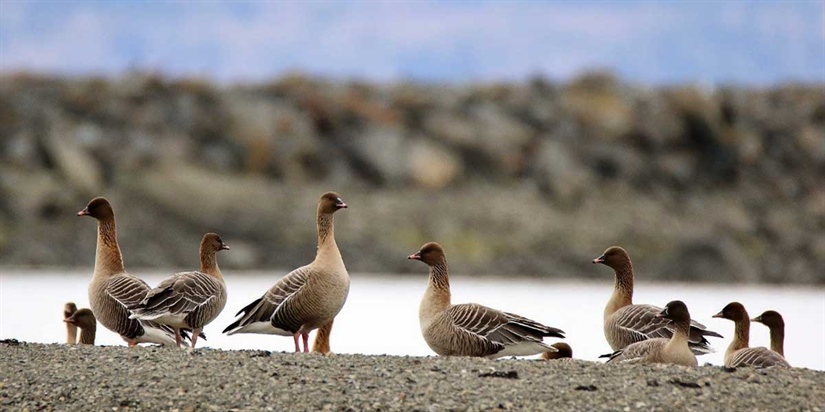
[
  {"x": 563, "y": 352},
  {"x": 626, "y": 323},
  {"x": 470, "y": 329},
  {"x": 71, "y": 329},
  {"x": 307, "y": 297},
  {"x": 773, "y": 320},
  {"x": 321, "y": 342},
  {"x": 85, "y": 320},
  {"x": 662, "y": 350},
  {"x": 113, "y": 290},
  {"x": 188, "y": 299},
  {"x": 738, "y": 353}
]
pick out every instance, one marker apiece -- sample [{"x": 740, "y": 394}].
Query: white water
[{"x": 381, "y": 314}]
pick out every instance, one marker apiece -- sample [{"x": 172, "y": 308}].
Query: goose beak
[
  {"x": 339, "y": 203},
  {"x": 224, "y": 246},
  {"x": 68, "y": 321},
  {"x": 662, "y": 314},
  {"x": 414, "y": 256},
  {"x": 599, "y": 259},
  {"x": 84, "y": 212},
  {"x": 757, "y": 319},
  {"x": 718, "y": 315}
]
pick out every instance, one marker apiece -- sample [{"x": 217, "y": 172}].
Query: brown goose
[
  {"x": 112, "y": 289},
  {"x": 71, "y": 329},
  {"x": 662, "y": 350},
  {"x": 85, "y": 320},
  {"x": 738, "y": 353},
  {"x": 188, "y": 299},
  {"x": 307, "y": 297},
  {"x": 321, "y": 342},
  {"x": 470, "y": 329},
  {"x": 563, "y": 351},
  {"x": 773, "y": 320},
  {"x": 626, "y": 323}
]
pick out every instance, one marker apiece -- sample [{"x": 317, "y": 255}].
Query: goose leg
[
  {"x": 295, "y": 338},
  {"x": 305, "y": 337},
  {"x": 177, "y": 337},
  {"x": 195, "y": 333}
]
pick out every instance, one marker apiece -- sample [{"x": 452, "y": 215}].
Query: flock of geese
[{"x": 309, "y": 298}]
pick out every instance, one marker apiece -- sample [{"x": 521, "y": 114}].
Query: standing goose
[
  {"x": 307, "y": 297},
  {"x": 470, "y": 329},
  {"x": 85, "y": 320},
  {"x": 71, "y": 329},
  {"x": 188, "y": 299},
  {"x": 738, "y": 353},
  {"x": 563, "y": 351},
  {"x": 773, "y": 320},
  {"x": 113, "y": 290},
  {"x": 626, "y": 323},
  {"x": 662, "y": 350}
]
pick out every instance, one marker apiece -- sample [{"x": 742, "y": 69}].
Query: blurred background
[{"x": 525, "y": 137}]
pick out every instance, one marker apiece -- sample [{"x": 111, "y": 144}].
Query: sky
[{"x": 656, "y": 42}]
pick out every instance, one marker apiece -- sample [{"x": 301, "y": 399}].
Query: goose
[
  {"x": 563, "y": 351},
  {"x": 738, "y": 353},
  {"x": 321, "y": 342},
  {"x": 674, "y": 350},
  {"x": 188, "y": 299},
  {"x": 113, "y": 290},
  {"x": 309, "y": 296},
  {"x": 773, "y": 320},
  {"x": 626, "y": 323},
  {"x": 71, "y": 329},
  {"x": 470, "y": 329},
  {"x": 85, "y": 320}
]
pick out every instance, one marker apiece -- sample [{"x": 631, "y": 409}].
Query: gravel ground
[{"x": 58, "y": 377}]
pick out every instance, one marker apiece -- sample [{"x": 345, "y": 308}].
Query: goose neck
[{"x": 108, "y": 258}]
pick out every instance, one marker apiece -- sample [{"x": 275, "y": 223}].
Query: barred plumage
[
  {"x": 674, "y": 349},
  {"x": 626, "y": 323},
  {"x": 188, "y": 299},
  {"x": 738, "y": 353},
  {"x": 307, "y": 297},
  {"x": 471, "y": 329},
  {"x": 112, "y": 289}
]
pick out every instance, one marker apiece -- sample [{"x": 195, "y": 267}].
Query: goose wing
[
  {"x": 275, "y": 305},
  {"x": 497, "y": 327},
  {"x": 636, "y": 352},
  {"x": 758, "y": 358},
  {"x": 179, "y": 295}
]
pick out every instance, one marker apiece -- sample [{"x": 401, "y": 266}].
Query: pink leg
[
  {"x": 195, "y": 333},
  {"x": 131, "y": 344},
  {"x": 295, "y": 337},
  {"x": 305, "y": 337},
  {"x": 177, "y": 336}
]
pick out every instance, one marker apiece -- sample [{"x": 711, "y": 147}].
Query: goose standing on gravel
[
  {"x": 188, "y": 299},
  {"x": 626, "y": 323},
  {"x": 112, "y": 289},
  {"x": 71, "y": 329},
  {"x": 662, "y": 350},
  {"x": 773, "y": 320},
  {"x": 308, "y": 297},
  {"x": 470, "y": 329},
  {"x": 563, "y": 351},
  {"x": 85, "y": 320},
  {"x": 738, "y": 353}
]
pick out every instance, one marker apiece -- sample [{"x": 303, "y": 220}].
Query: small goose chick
[
  {"x": 71, "y": 329},
  {"x": 188, "y": 300},
  {"x": 563, "y": 351},
  {"x": 738, "y": 353},
  {"x": 308, "y": 297},
  {"x": 470, "y": 329},
  {"x": 626, "y": 323},
  {"x": 773, "y": 320},
  {"x": 85, "y": 320},
  {"x": 675, "y": 350}
]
